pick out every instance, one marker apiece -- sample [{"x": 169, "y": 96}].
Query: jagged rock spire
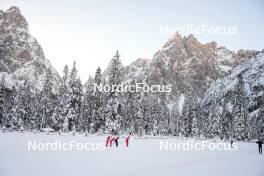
[{"x": 12, "y": 18}]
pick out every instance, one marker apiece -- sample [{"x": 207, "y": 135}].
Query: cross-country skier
[
  {"x": 107, "y": 141},
  {"x": 259, "y": 142},
  {"x": 127, "y": 140},
  {"x": 116, "y": 141},
  {"x": 111, "y": 140},
  {"x": 231, "y": 143}
]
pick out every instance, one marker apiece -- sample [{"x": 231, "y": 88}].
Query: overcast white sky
[{"x": 91, "y": 31}]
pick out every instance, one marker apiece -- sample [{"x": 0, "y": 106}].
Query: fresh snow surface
[{"x": 142, "y": 158}]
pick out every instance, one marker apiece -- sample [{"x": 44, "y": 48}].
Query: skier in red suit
[
  {"x": 127, "y": 140},
  {"x": 107, "y": 141},
  {"x": 111, "y": 141}
]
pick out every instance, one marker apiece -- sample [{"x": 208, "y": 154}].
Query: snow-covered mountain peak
[
  {"x": 12, "y": 19},
  {"x": 141, "y": 62},
  {"x": 175, "y": 39}
]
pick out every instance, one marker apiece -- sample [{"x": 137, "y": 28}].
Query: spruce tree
[
  {"x": 2, "y": 100},
  {"x": 240, "y": 111},
  {"x": 98, "y": 103},
  {"x": 114, "y": 105},
  {"x": 47, "y": 101}
]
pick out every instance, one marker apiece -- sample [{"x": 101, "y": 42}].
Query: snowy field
[{"x": 142, "y": 158}]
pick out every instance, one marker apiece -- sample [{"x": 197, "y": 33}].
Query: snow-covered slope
[
  {"x": 21, "y": 57},
  {"x": 253, "y": 75},
  {"x": 137, "y": 71},
  {"x": 244, "y": 87},
  {"x": 252, "y": 72}
]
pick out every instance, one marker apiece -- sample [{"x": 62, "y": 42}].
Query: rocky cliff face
[
  {"x": 191, "y": 66},
  {"x": 21, "y": 56}
]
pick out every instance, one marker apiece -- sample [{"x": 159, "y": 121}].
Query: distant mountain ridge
[{"x": 190, "y": 66}]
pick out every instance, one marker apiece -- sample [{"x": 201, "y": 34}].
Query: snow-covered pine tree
[
  {"x": 2, "y": 100},
  {"x": 75, "y": 99},
  {"x": 98, "y": 76},
  {"x": 147, "y": 118},
  {"x": 260, "y": 125},
  {"x": 79, "y": 99},
  {"x": 24, "y": 106},
  {"x": 240, "y": 111},
  {"x": 9, "y": 116},
  {"x": 7, "y": 101},
  {"x": 113, "y": 111},
  {"x": 197, "y": 123},
  {"x": 71, "y": 119},
  {"x": 192, "y": 118},
  {"x": 34, "y": 111},
  {"x": 128, "y": 120},
  {"x": 225, "y": 120},
  {"x": 47, "y": 102},
  {"x": 174, "y": 117},
  {"x": 98, "y": 102},
  {"x": 155, "y": 113},
  {"x": 116, "y": 70},
  {"x": 163, "y": 116},
  {"x": 88, "y": 119},
  {"x": 186, "y": 117},
  {"x": 211, "y": 118},
  {"x": 138, "y": 113},
  {"x": 83, "y": 116},
  {"x": 37, "y": 110},
  {"x": 215, "y": 118},
  {"x": 62, "y": 102},
  {"x": 65, "y": 76}
]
